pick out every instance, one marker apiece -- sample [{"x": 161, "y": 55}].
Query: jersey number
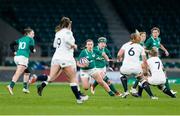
[
  {"x": 59, "y": 42},
  {"x": 22, "y": 45},
  {"x": 131, "y": 52},
  {"x": 158, "y": 63}
]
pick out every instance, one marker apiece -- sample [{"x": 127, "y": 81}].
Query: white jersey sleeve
[
  {"x": 69, "y": 38},
  {"x": 143, "y": 52}
]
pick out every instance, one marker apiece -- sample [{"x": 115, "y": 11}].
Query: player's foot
[
  {"x": 92, "y": 89},
  {"x": 132, "y": 91},
  {"x": 118, "y": 94},
  {"x": 125, "y": 94},
  {"x": 79, "y": 101},
  {"x": 84, "y": 97},
  {"x": 26, "y": 91},
  {"x": 154, "y": 98},
  {"x": 33, "y": 79},
  {"x": 10, "y": 90},
  {"x": 135, "y": 95},
  {"x": 173, "y": 92},
  {"x": 39, "y": 90}
]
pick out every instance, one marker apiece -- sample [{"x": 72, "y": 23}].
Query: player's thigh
[
  {"x": 54, "y": 70},
  {"x": 97, "y": 76}
]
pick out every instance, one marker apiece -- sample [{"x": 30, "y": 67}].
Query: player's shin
[
  {"x": 111, "y": 86},
  {"x": 135, "y": 84},
  {"x": 166, "y": 91},
  {"x": 124, "y": 83},
  {"x": 74, "y": 88},
  {"x": 140, "y": 90},
  {"x": 147, "y": 88}
]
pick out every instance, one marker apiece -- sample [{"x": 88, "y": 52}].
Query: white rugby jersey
[
  {"x": 155, "y": 65},
  {"x": 62, "y": 42},
  {"x": 132, "y": 54}
]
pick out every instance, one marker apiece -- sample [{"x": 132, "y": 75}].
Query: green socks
[
  {"x": 25, "y": 85},
  {"x": 12, "y": 84}
]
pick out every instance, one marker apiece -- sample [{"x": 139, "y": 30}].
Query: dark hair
[
  {"x": 64, "y": 23},
  {"x": 155, "y": 28},
  {"x": 27, "y": 30}
]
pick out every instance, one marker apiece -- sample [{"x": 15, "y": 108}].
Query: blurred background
[{"x": 113, "y": 19}]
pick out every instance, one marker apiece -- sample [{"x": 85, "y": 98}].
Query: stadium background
[{"x": 113, "y": 19}]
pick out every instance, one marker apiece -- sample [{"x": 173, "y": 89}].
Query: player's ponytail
[{"x": 64, "y": 23}]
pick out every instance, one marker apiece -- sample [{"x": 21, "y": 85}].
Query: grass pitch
[{"x": 58, "y": 99}]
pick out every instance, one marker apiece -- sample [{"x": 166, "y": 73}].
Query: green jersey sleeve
[
  {"x": 32, "y": 42},
  {"x": 148, "y": 43},
  {"x": 107, "y": 52},
  {"x": 81, "y": 55}
]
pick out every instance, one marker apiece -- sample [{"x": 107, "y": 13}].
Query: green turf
[{"x": 58, "y": 99}]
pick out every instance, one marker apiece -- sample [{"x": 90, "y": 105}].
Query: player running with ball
[{"x": 88, "y": 69}]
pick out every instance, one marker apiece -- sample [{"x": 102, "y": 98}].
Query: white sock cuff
[
  {"x": 48, "y": 78},
  {"x": 143, "y": 82},
  {"x": 73, "y": 84},
  {"x": 45, "y": 82}
]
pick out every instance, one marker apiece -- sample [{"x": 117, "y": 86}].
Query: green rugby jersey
[
  {"x": 91, "y": 56},
  {"x": 100, "y": 62},
  {"x": 142, "y": 44},
  {"x": 24, "y": 44},
  {"x": 151, "y": 42}
]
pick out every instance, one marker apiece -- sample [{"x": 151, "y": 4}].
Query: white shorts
[
  {"x": 64, "y": 63},
  {"x": 21, "y": 60},
  {"x": 102, "y": 69},
  {"x": 129, "y": 71},
  {"x": 157, "y": 79},
  {"x": 88, "y": 73}
]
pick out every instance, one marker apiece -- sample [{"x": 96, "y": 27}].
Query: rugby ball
[{"x": 84, "y": 61}]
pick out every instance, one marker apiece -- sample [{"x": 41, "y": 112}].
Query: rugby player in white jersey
[
  {"x": 63, "y": 59},
  {"x": 156, "y": 74},
  {"x": 131, "y": 65}
]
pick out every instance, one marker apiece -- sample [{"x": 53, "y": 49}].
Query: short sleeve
[
  {"x": 143, "y": 52},
  {"x": 81, "y": 55},
  {"x": 148, "y": 43},
  {"x": 108, "y": 53},
  {"x": 69, "y": 38}
]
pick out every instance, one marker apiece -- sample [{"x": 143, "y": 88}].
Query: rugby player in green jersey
[
  {"x": 88, "y": 69},
  {"x": 101, "y": 65},
  {"x": 25, "y": 47}
]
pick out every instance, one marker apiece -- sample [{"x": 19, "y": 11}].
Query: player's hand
[
  {"x": 166, "y": 53},
  {"x": 74, "y": 46},
  {"x": 85, "y": 65}
]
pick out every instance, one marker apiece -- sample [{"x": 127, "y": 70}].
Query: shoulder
[{"x": 125, "y": 45}]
